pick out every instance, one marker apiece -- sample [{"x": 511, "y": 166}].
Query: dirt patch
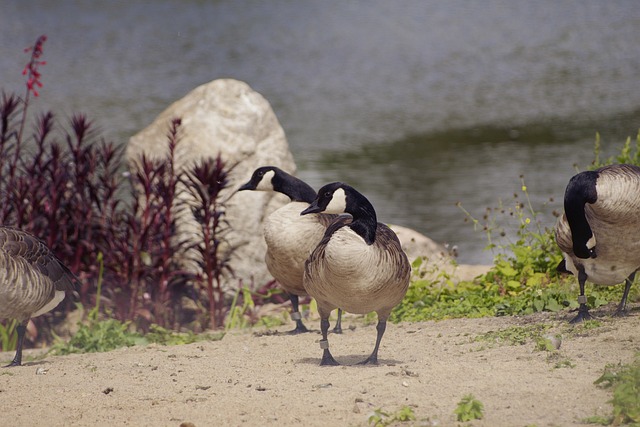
[{"x": 251, "y": 378}]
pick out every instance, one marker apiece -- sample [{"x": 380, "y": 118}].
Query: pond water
[{"x": 418, "y": 104}]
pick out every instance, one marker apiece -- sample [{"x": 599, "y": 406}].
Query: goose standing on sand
[
  {"x": 599, "y": 232},
  {"x": 359, "y": 266},
  {"x": 32, "y": 280},
  {"x": 290, "y": 238}
]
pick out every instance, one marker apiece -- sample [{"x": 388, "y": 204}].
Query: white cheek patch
[
  {"x": 265, "y": 183},
  {"x": 338, "y": 202},
  {"x": 591, "y": 243}
]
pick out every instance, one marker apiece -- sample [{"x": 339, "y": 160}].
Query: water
[{"x": 419, "y": 104}]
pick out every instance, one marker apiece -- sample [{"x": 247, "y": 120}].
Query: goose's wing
[
  {"x": 563, "y": 235},
  {"x": 392, "y": 252},
  {"x": 21, "y": 250}
]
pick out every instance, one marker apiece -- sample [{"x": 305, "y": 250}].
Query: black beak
[
  {"x": 247, "y": 186},
  {"x": 313, "y": 208}
]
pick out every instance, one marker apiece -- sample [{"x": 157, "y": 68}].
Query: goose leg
[
  {"x": 295, "y": 315},
  {"x": 338, "y": 328},
  {"x": 17, "y": 360},
  {"x": 622, "y": 307},
  {"x": 327, "y": 358},
  {"x": 583, "y": 310},
  {"x": 373, "y": 358}
]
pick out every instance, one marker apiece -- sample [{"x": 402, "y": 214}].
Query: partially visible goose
[
  {"x": 599, "y": 233},
  {"x": 32, "y": 280},
  {"x": 359, "y": 266},
  {"x": 290, "y": 238}
]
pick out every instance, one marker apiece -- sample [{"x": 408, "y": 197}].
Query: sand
[{"x": 269, "y": 378}]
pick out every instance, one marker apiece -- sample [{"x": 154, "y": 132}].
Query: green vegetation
[
  {"x": 96, "y": 336},
  {"x": 99, "y": 335},
  {"x": 538, "y": 334},
  {"x": 628, "y": 154},
  {"x": 523, "y": 279},
  {"x": 469, "y": 408},
  {"x": 625, "y": 381},
  {"x": 160, "y": 335},
  {"x": 8, "y": 335},
  {"x": 244, "y": 313},
  {"x": 514, "y": 335},
  {"x": 381, "y": 418}
]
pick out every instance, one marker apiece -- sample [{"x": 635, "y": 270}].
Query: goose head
[
  {"x": 271, "y": 178},
  {"x": 339, "y": 198},
  {"x": 262, "y": 179},
  {"x": 332, "y": 198}
]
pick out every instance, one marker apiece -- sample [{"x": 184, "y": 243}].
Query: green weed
[
  {"x": 628, "y": 154},
  {"x": 469, "y": 408},
  {"x": 244, "y": 313},
  {"x": 8, "y": 335},
  {"x": 624, "y": 380},
  {"x": 96, "y": 336},
  {"x": 381, "y": 418},
  {"x": 159, "y": 335},
  {"x": 514, "y": 335},
  {"x": 598, "y": 419}
]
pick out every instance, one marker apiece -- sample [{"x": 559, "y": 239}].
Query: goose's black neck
[
  {"x": 580, "y": 191},
  {"x": 365, "y": 222},
  {"x": 296, "y": 189}
]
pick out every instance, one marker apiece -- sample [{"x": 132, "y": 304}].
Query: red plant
[
  {"x": 205, "y": 181},
  {"x": 31, "y": 69},
  {"x": 64, "y": 185},
  {"x": 33, "y": 77}
]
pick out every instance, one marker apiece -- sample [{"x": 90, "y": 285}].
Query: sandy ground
[{"x": 257, "y": 378}]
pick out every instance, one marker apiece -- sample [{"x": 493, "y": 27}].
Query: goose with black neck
[
  {"x": 290, "y": 238},
  {"x": 599, "y": 232},
  {"x": 358, "y": 266}
]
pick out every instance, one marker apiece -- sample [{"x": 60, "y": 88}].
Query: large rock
[
  {"x": 438, "y": 264},
  {"x": 227, "y": 117}
]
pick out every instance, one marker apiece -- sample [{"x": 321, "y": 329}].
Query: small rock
[
  {"x": 42, "y": 371},
  {"x": 325, "y": 385},
  {"x": 556, "y": 341}
]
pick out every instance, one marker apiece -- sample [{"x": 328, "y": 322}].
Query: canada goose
[
  {"x": 290, "y": 238},
  {"x": 599, "y": 232},
  {"x": 32, "y": 280},
  {"x": 358, "y": 266}
]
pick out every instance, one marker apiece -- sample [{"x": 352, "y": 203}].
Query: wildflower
[{"x": 31, "y": 69}]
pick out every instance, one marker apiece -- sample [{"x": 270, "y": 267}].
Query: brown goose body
[
  {"x": 599, "y": 232},
  {"x": 290, "y": 237},
  {"x": 290, "y": 240},
  {"x": 32, "y": 280},
  {"x": 359, "y": 266},
  {"x": 345, "y": 272}
]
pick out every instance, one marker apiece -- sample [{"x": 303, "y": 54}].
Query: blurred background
[{"x": 418, "y": 104}]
